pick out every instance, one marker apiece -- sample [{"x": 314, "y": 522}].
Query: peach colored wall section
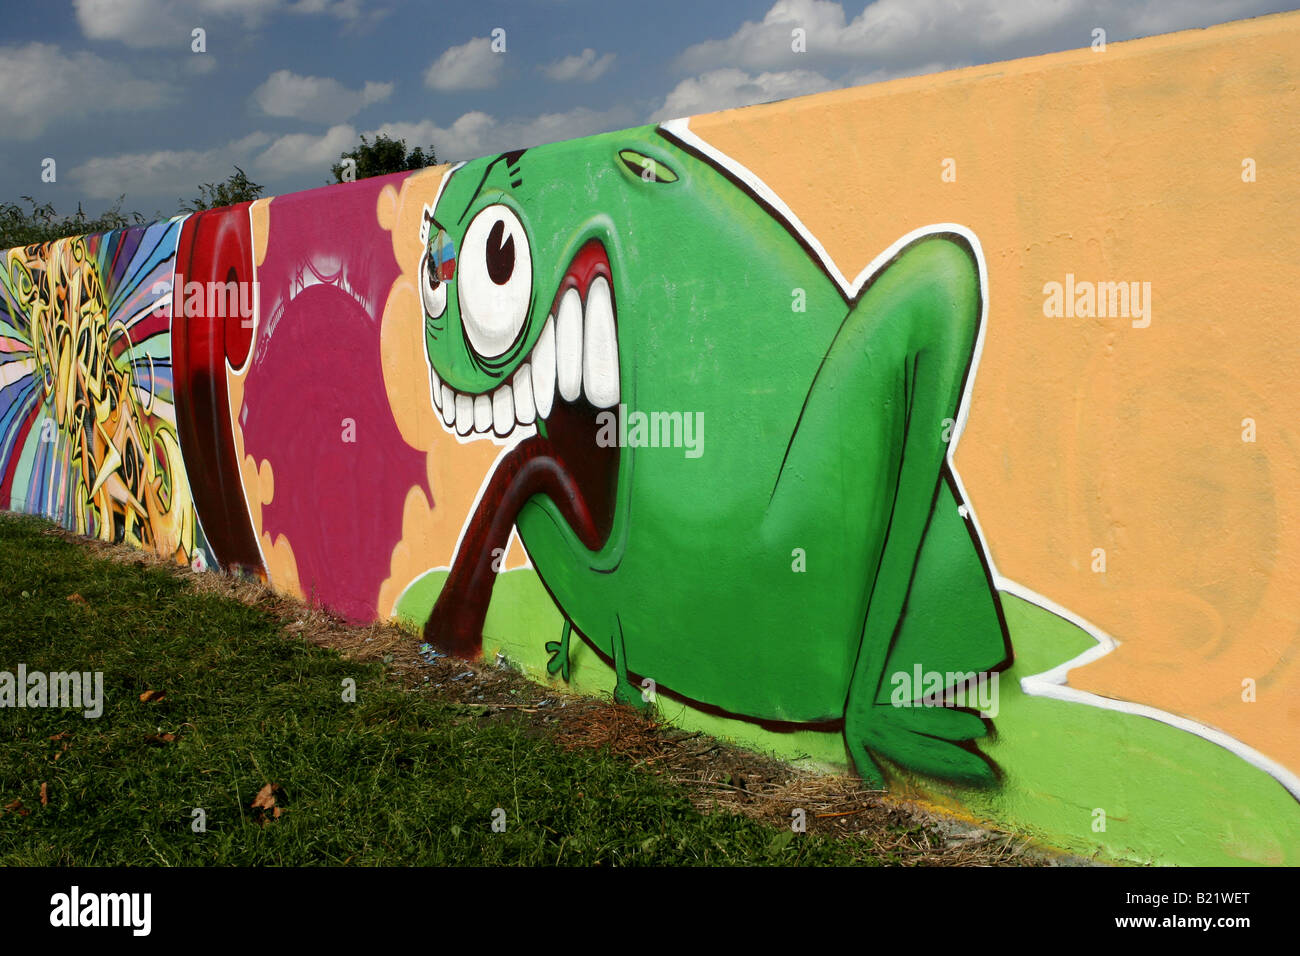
[{"x": 1121, "y": 433}]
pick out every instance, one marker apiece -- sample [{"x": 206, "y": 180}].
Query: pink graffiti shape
[{"x": 317, "y": 408}]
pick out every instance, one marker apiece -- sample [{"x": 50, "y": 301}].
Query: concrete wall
[{"x": 674, "y": 413}]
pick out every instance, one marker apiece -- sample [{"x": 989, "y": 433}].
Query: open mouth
[
  {"x": 571, "y": 375},
  {"x": 574, "y": 359}
]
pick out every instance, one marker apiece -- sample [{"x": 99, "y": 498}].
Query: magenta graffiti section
[{"x": 324, "y": 424}]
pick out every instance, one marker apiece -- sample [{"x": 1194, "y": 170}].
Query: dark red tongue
[{"x": 533, "y": 467}]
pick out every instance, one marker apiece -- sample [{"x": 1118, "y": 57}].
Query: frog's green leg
[
  {"x": 559, "y": 651},
  {"x": 902, "y": 357},
  {"x": 951, "y": 624},
  {"x": 625, "y": 692}
]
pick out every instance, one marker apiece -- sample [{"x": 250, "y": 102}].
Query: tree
[
  {"x": 40, "y": 223},
  {"x": 236, "y": 189},
  {"x": 383, "y": 156}
]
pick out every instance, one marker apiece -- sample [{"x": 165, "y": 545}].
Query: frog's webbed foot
[
  {"x": 933, "y": 740},
  {"x": 559, "y": 651},
  {"x": 625, "y": 692},
  {"x": 950, "y": 627}
]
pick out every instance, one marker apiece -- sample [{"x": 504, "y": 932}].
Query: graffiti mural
[
  {"x": 538, "y": 317},
  {"x": 210, "y": 333},
  {"x": 89, "y": 432},
  {"x": 322, "y": 293},
  {"x": 773, "y": 420}
]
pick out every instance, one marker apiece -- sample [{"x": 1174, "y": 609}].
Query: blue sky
[{"x": 114, "y": 93}]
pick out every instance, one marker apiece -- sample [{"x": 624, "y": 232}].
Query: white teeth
[
  {"x": 575, "y": 353},
  {"x": 600, "y": 355},
  {"x": 464, "y": 414},
  {"x": 448, "y": 405},
  {"x": 525, "y": 411},
  {"x": 568, "y": 346},
  {"x": 482, "y": 413},
  {"x": 544, "y": 369},
  {"x": 503, "y": 410}
]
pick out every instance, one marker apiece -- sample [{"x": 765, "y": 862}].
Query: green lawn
[{"x": 394, "y": 778}]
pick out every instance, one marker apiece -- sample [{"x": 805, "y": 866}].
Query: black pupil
[{"x": 500, "y": 255}]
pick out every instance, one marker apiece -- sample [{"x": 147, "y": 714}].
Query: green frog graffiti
[{"x": 729, "y": 464}]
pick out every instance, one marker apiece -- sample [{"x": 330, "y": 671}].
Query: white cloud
[
  {"x": 162, "y": 23},
  {"x": 1151, "y": 18},
  {"x": 583, "y": 67},
  {"x": 307, "y": 152},
  {"x": 305, "y": 156},
  {"x": 470, "y": 66},
  {"x": 728, "y": 87},
  {"x": 889, "y": 39},
  {"x": 39, "y": 83},
  {"x": 479, "y": 134},
  {"x": 200, "y": 65},
  {"x": 769, "y": 42},
  {"x": 164, "y": 171},
  {"x": 896, "y": 38},
  {"x": 887, "y": 30},
  {"x": 340, "y": 9},
  {"x": 894, "y": 34},
  {"x": 310, "y": 156},
  {"x": 897, "y": 28},
  {"x": 314, "y": 98}
]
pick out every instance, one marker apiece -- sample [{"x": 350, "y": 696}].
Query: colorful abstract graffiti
[
  {"x": 760, "y": 418},
  {"x": 87, "y": 412}
]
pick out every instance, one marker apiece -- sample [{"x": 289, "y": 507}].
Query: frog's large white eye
[
  {"x": 433, "y": 291},
  {"x": 494, "y": 280}
]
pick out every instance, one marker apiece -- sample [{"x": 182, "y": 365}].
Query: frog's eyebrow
[
  {"x": 431, "y": 220},
  {"x": 516, "y": 178}
]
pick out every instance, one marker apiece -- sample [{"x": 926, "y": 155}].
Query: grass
[{"x": 396, "y": 778}]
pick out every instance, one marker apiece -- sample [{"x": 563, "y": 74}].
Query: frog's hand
[
  {"x": 952, "y": 624},
  {"x": 559, "y": 651}
]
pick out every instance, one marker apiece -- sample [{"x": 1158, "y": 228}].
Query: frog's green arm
[
  {"x": 625, "y": 692},
  {"x": 875, "y": 419}
]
